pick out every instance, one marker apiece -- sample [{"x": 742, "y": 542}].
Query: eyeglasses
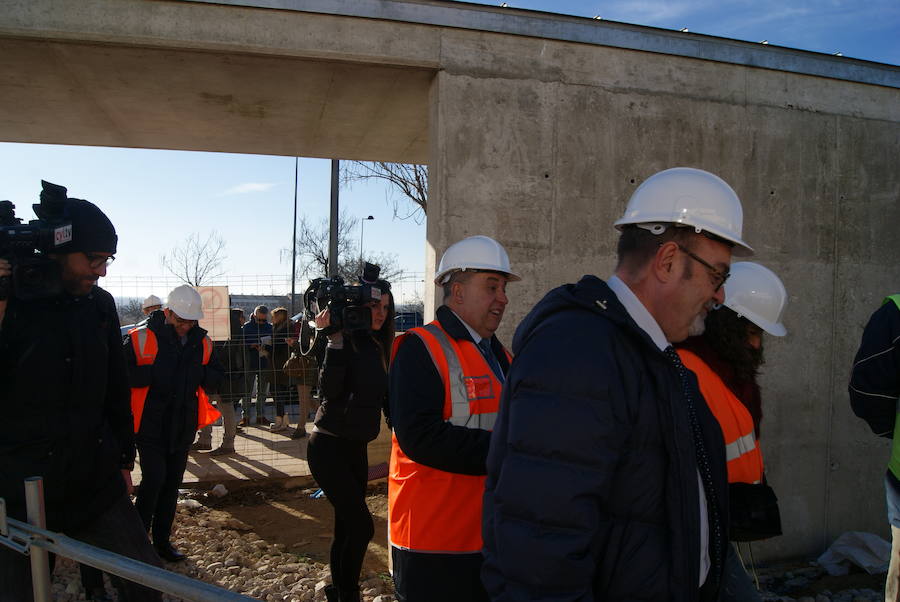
[
  {"x": 716, "y": 277},
  {"x": 182, "y": 320},
  {"x": 97, "y": 261}
]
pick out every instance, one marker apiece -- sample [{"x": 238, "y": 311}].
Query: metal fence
[
  {"x": 33, "y": 540},
  {"x": 407, "y": 289},
  {"x": 260, "y": 451}
]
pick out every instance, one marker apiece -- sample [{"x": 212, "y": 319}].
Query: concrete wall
[{"x": 538, "y": 142}]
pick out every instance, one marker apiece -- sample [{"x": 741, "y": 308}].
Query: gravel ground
[
  {"x": 811, "y": 583},
  {"x": 227, "y": 551}
]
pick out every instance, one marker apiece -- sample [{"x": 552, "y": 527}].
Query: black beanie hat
[{"x": 91, "y": 229}]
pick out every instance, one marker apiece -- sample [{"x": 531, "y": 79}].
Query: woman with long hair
[{"x": 353, "y": 390}]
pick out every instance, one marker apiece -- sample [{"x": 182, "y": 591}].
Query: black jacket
[
  {"x": 875, "y": 379},
  {"x": 592, "y": 489},
  {"x": 170, "y": 410},
  {"x": 417, "y": 407},
  {"x": 65, "y": 406},
  {"x": 230, "y": 355},
  {"x": 280, "y": 351},
  {"x": 353, "y": 388}
]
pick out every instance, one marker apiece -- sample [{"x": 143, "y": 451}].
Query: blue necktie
[{"x": 485, "y": 346}]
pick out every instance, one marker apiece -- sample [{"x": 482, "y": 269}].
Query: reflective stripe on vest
[
  {"x": 744, "y": 459},
  {"x": 143, "y": 341},
  {"x": 894, "y": 463},
  {"x": 460, "y": 413},
  {"x": 430, "y": 510}
]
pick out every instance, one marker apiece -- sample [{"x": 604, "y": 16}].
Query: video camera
[
  {"x": 347, "y": 303},
  {"x": 34, "y": 275}
]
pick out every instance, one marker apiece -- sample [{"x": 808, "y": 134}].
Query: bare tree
[
  {"x": 129, "y": 310},
  {"x": 312, "y": 251},
  {"x": 409, "y": 191},
  {"x": 196, "y": 262}
]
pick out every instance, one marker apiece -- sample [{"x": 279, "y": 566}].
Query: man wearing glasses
[
  {"x": 599, "y": 409},
  {"x": 66, "y": 415}
]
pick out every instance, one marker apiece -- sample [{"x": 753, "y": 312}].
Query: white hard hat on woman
[{"x": 754, "y": 292}]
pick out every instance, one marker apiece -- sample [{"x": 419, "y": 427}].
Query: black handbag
[{"x": 753, "y": 512}]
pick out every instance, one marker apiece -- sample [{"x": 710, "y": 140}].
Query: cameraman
[
  {"x": 65, "y": 403},
  {"x": 353, "y": 388}
]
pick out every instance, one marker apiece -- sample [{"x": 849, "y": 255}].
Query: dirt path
[{"x": 304, "y": 525}]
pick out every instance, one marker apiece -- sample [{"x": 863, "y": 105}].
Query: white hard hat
[
  {"x": 756, "y": 293},
  {"x": 692, "y": 197},
  {"x": 474, "y": 253},
  {"x": 185, "y": 302},
  {"x": 151, "y": 301}
]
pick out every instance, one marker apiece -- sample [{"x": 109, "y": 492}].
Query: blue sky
[
  {"x": 864, "y": 29},
  {"x": 157, "y": 198}
]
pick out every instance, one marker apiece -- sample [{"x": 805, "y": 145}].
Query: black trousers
[
  {"x": 437, "y": 577},
  {"x": 340, "y": 467},
  {"x": 118, "y": 530},
  {"x": 161, "y": 475}
]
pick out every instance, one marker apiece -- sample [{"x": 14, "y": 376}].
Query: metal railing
[{"x": 32, "y": 539}]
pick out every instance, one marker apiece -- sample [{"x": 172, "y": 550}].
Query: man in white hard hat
[
  {"x": 445, "y": 383},
  {"x": 599, "y": 411},
  {"x": 171, "y": 370},
  {"x": 726, "y": 358},
  {"x": 874, "y": 392},
  {"x": 151, "y": 304}
]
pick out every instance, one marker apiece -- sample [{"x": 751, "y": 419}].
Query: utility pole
[
  {"x": 362, "y": 228},
  {"x": 294, "y": 239},
  {"x": 333, "y": 226}
]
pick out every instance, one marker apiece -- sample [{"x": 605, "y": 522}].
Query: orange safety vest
[
  {"x": 431, "y": 510},
  {"x": 143, "y": 341},
  {"x": 745, "y": 463}
]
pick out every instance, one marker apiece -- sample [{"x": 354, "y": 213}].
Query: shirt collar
[
  {"x": 475, "y": 336},
  {"x": 643, "y": 318}
]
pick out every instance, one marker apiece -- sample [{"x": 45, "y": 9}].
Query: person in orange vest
[
  {"x": 445, "y": 383},
  {"x": 725, "y": 353},
  {"x": 171, "y": 369}
]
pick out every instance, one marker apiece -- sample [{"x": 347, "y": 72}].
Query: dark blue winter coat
[{"x": 592, "y": 490}]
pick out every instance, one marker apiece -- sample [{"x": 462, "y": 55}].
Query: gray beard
[{"x": 698, "y": 326}]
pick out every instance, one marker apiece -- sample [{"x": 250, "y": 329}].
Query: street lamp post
[{"x": 362, "y": 229}]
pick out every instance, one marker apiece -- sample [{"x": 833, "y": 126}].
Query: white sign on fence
[{"x": 216, "y": 309}]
